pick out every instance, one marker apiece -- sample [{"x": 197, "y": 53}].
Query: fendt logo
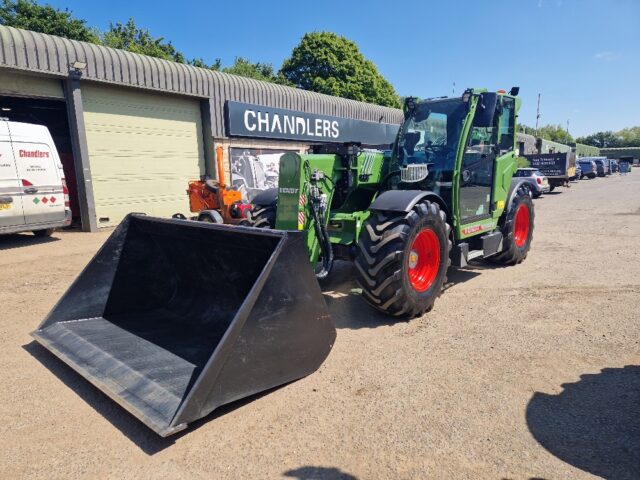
[{"x": 33, "y": 154}]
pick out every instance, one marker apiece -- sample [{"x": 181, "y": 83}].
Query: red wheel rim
[
  {"x": 424, "y": 260},
  {"x": 521, "y": 227}
]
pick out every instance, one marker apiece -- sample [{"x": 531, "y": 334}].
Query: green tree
[
  {"x": 601, "y": 140},
  {"x": 130, "y": 37},
  {"x": 259, "y": 71},
  {"x": 328, "y": 63},
  {"x": 27, "y": 14},
  {"x": 555, "y": 133},
  {"x": 199, "y": 62},
  {"x": 629, "y": 137},
  {"x": 522, "y": 128}
]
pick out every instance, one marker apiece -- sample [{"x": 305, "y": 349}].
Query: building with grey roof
[{"x": 132, "y": 130}]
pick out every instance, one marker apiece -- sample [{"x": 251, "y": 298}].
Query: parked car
[
  {"x": 578, "y": 173},
  {"x": 588, "y": 168},
  {"x": 601, "y": 167},
  {"x": 33, "y": 191},
  {"x": 615, "y": 167},
  {"x": 535, "y": 181}
]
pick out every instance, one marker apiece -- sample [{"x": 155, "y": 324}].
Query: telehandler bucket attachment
[{"x": 175, "y": 318}]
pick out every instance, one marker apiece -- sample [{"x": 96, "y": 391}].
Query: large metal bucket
[{"x": 174, "y": 318}]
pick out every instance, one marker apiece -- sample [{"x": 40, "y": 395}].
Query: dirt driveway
[{"x": 518, "y": 372}]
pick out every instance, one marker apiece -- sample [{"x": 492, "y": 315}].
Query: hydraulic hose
[{"x": 325, "y": 244}]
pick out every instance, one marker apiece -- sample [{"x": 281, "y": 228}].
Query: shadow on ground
[
  {"x": 318, "y": 473},
  {"x": 593, "y": 424},
  {"x": 23, "y": 240},
  {"x": 349, "y": 310},
  {"x": 147, "y": 440}
]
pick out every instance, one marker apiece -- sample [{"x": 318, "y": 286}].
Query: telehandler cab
[{"x": 173, "y": 318}]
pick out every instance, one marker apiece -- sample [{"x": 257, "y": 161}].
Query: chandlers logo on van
[
  {"x": 33, "y": 154},
  {"x": 247, "y": 120}
]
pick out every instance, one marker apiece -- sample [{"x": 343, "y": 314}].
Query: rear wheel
[
  {"x": 403, "y": 259},
  {"x": 264, "y": 217},
  {"x": 517, "y": 230},
  {"x": 44, "y": 233}
]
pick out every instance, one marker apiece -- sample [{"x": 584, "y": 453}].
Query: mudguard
[
  {"x": 515, "y": 183},
  {"x": 405, "y": 200},
  {"x": 266, "y": 198}
]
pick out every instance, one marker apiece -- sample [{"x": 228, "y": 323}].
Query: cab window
[{"x": 506, "y": 125}]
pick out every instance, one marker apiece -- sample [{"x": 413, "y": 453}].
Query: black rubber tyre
[
  {"x": 552, "y": 188},
  {"x": 44, "y": 233},
  {"x": 512, "y": 253},
  {"x": 264, "y": 217},
  {"x": 382, "y": 262}
]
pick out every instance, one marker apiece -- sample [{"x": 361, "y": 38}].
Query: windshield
[{"x": 433, "y": 130}]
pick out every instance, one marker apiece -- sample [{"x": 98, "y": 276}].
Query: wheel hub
[{"x": 413, "y": 259}]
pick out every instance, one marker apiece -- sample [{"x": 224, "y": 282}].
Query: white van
[{"x": 33, "y": 191}]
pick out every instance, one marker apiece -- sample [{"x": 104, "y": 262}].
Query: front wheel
[
  {"x": 403, "y": 259},
  {"x": 517, "y": 230}
]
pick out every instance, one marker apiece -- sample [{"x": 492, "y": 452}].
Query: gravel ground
[{"x": 521, "y": 372}]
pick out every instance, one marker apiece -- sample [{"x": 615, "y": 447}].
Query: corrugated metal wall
[
  {"x": 529, "y": 142},
  {"x": 547, "y": 146},
  {"x": 37, "y": 52}
]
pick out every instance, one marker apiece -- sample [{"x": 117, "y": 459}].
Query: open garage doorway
[{"x": 53, "y": 115}]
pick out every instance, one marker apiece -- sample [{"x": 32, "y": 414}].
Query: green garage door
[{"x": 143, "y": 149}]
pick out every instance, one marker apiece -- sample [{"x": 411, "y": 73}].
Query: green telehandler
[
  {"x": 174, "y": 318},
  {"x": 443, "y": 194}
]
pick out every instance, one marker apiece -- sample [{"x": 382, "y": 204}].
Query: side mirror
[{"x": 486, "y": 109}]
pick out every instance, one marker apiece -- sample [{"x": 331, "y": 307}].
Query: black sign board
[
  {"x": 247, "y": 120},
  {"x": 550, "y": 164}
]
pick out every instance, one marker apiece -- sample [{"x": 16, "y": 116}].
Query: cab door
[
  {"x": 42, "y": 195},
  {"x": 505, "y": 162},
  {"x": 10, "y": 192},
  {"x": 478, "y": 165}
]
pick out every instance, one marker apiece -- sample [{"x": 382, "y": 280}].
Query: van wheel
[{"x": 44, "y": 233}]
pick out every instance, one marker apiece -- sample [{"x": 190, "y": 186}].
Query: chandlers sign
[{"x": 246, "y": 120}]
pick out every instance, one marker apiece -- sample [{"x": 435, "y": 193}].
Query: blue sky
[{"x": 583, "y": 56}]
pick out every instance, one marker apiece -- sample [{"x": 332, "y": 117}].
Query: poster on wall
[{"x": 254, "y": 169}]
